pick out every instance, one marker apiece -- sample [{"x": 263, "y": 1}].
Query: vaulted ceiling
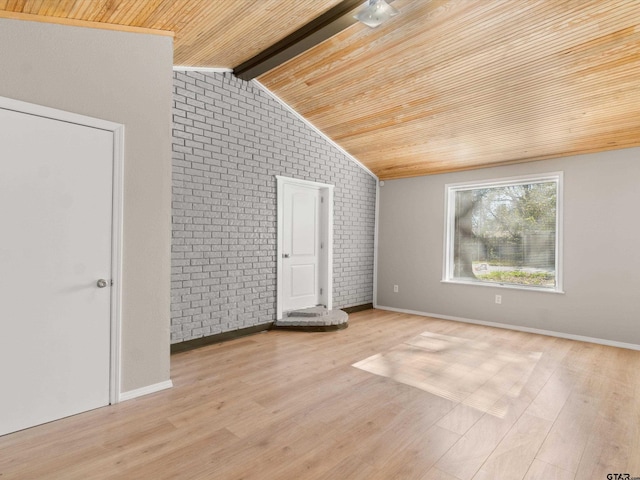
[{"x": 446, "y": 85}]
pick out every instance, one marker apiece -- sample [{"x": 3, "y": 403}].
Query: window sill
[{"x": 504, "y": 285}]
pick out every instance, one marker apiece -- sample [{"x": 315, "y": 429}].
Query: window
[{"x": 505, "y": 233}]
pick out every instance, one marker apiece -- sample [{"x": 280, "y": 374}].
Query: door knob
[
  {"x": 285, "y": 255},
  {"x": 101, "y": 283}
]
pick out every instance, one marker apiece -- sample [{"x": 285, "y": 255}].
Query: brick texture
[{"x": 230, "y": 139}]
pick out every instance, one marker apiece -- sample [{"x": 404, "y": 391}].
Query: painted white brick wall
[{"x": 230, "y": 139}]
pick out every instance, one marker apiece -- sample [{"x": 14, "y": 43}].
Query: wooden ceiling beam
[{"x": 313, "y": 33}]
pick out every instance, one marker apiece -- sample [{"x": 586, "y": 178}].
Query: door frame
[
  {"x": 326, "y": 237},
  {"x": 117, "y": 131}
]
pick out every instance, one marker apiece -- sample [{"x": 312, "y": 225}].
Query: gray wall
[
  {"x": 124, "y": 78},
  {"x": 230, "y": 139},
  {"x": 601, "y": 254}
]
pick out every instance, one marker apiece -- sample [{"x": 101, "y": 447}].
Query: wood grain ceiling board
[
  {"x": 446, "y": 85},
  {"x": 457, "y": 84},
  {"x": 208, "y": 33}
]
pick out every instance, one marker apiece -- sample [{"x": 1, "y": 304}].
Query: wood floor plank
[
  {"x": 634, "y": 422},
  {"x": 437, "y": 474},
  {"x": 517, "y": 450},
  {"x": 466, "y": 457},
  {"x": 610, "y": 443},
  {"x": 540, "y": 470},
  {"x": 461, "y": 419},
  {"x": 289, "y": 405},
  {"x": 414, "y": 459},
  {"x": 570, "y": 433},
  {"x": 549, "y": 402},
  {"x": 352, "y": 467}
]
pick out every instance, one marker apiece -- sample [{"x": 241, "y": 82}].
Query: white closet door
[{"x": 55, "y": 244}]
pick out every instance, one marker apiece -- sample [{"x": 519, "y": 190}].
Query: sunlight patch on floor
[{"x": 479, "y": 374}]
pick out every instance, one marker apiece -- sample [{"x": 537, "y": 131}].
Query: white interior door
[
  {"x": 301, "y": 247},
  {"x": 55, "y": 203}
]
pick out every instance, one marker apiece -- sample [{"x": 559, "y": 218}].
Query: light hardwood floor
[{"x": 290, "y": 405}]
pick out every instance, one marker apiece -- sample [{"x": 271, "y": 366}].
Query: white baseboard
[
  {"x": 549, "y": 333},
  {"x": 138, "y": 392}
]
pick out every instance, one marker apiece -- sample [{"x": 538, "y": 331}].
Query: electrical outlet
[
  {"x": 498, "y": 299},
  {"x": 395, "y": 289}
]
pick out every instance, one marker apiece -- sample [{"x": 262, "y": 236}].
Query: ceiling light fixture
[{"x": 376, "y": 13}]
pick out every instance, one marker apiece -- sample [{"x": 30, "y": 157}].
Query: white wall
[
  {"x": 601, "y": 251},
  {"x": 125, "y": 78}
]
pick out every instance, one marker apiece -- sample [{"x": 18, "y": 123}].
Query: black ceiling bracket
[{"x": 318, "y": 30}]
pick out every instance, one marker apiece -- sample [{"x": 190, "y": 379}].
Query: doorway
[
  {"x": 305, "y": 245},
  {"x": 60, "y": 201}
]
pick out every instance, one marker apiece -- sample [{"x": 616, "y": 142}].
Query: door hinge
[
  {"x": 321, "y": 245},
  {"x": 320, "y": 291},
  {"x": 321, "y": 199}
]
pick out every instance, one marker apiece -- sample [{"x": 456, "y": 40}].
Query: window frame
[{"x": 449, "y": 228}]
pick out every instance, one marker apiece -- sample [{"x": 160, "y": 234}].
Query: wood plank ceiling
[
  {"x": 446, "y": 85},
  {"x": 208, "y": 33}
]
